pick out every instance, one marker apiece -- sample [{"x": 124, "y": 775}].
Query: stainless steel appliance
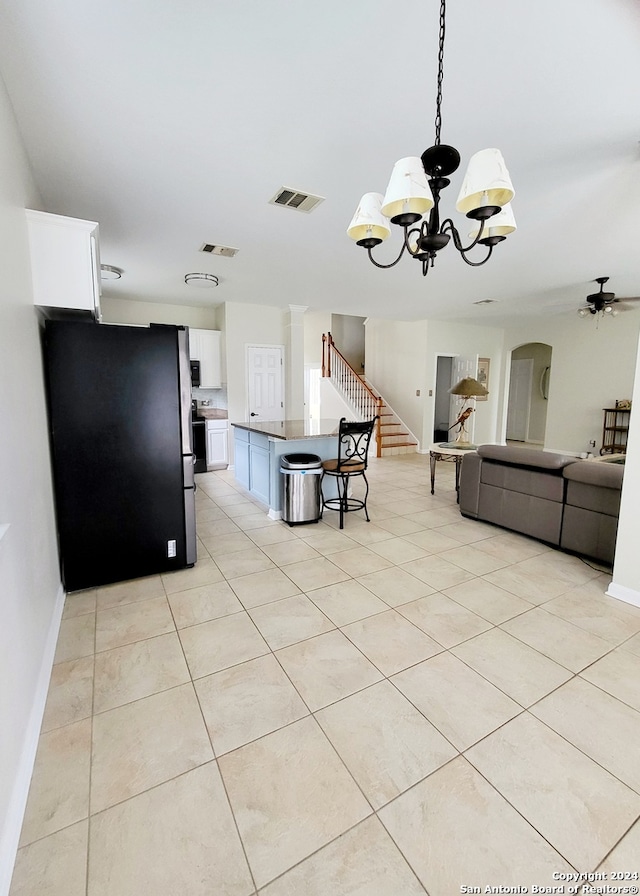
[{"x": 120, "y": 422}]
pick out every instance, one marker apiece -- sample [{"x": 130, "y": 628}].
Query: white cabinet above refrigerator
[{"x": 65, "y": 262}]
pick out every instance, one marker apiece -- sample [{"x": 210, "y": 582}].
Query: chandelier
[{"x": 414, "y": 190}]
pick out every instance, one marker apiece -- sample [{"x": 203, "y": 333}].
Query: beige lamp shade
[
  {"x": 368, "y": 222},
  {"x": 468, "y": 387},
  {"x": 486, "y": 182},
  {"x": 408, "y": 189},
  {"x": 501, "y": 224}
]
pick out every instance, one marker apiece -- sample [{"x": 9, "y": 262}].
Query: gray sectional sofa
[{"x": 560, "y": 500}]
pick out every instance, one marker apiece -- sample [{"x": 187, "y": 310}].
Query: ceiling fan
[{"x": 602, "y": 302}]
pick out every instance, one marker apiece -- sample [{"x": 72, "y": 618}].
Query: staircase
[{"x": 392, "y": 436}]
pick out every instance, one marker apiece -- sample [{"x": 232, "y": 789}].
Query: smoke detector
[
  {"x": 301, "y": 202},
  {"x": 213, "y": 249}
]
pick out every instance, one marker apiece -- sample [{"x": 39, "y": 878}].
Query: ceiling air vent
[
  {"x": 302, "y": 202},
  {"x": 226, "y": 251}
]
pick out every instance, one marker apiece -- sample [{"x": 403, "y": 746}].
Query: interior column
[{"x": 295, "y": 363}]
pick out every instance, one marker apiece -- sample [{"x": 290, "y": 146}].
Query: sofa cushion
[
  {"x": 589, "y": 533},
  {"x": 525, "y": 457},
  {"x": 547, "y": 484},
  {"x": 521, "y": 512}
]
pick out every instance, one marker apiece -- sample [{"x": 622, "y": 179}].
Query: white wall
[
  {"x": 248, "y": 325},
  {"x": 591, "y": 366},
  {"x": 332, "y": 404},
  {"x": 467, "y": 340},
  {"x": 626, "y": 569},
  {"x": 396, "y": 366},
  {"x": 128, "y": 311},
  {"x": 30, "y": 588},
  {"x": 348, "y": 334}
]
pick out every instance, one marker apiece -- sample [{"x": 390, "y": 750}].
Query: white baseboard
[
  {"x": 621, "y": 592},
  {"x": 10, "y": 836},
  {"x": 274, "y": 514}
]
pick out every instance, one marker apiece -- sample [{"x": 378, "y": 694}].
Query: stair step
[
  {"x": 390, "y": 450},
  {"x": 400, "y": 445}
]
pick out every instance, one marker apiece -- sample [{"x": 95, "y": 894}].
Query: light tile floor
[{"x": 410, "y": 705}]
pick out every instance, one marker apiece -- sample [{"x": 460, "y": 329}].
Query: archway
[{"x": 529, "y": 379}]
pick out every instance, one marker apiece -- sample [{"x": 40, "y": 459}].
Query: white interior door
[
  {"x": 265, "y": 381},
  {"x": 519, "y": 406}
]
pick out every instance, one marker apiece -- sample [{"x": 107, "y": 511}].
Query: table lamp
[{"x": 468, "y": 389}]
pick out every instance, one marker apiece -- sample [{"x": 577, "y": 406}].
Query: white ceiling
[{"x": 173, "y": 123}]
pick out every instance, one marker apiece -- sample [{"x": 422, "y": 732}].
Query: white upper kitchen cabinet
[
  {"x": 204, "y": 346},
  {"x": 65, "y": 262}
]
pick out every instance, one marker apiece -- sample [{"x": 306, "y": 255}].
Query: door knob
[{"x": 252, "y": 414}]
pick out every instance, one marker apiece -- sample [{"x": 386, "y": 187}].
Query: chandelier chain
[{"x": 438, "y": 121}]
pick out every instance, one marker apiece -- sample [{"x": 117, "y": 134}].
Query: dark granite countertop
[{"x": 292, "y": 429}]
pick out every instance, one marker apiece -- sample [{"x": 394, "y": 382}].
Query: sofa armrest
[{"x": 470, "y": 484}]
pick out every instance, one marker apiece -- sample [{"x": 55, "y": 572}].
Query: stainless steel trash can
[{"x": 301, "y": 474}]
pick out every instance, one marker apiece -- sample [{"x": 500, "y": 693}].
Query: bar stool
[{"x": 353, "y": 448}]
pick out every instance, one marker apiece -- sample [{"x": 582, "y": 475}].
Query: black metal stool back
[{"x": 353, "y": 449}]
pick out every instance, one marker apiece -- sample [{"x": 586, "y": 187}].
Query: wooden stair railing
[{"x": 344, "y": 377}]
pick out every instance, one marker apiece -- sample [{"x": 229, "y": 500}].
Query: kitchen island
[{"x": 259, "y": 445}]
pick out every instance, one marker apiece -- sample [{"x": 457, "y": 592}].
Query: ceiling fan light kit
[
  {"x": 601, "y": 303},
  {"x": 414, "y": 190}
]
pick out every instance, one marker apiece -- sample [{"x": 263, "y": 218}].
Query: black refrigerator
[{"x": 119, "y": 402}]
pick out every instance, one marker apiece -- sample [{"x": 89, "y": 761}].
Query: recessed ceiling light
[
  {"x": 108, "y": 272},
  {"x": 203, "y": 281}
]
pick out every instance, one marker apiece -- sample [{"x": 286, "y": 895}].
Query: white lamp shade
[
  {"x": 501, "y": 224},
  {"x": 408, "y": 189},
  {"x": 368, "y": 221},
  {"x": 486, "y": 173}
]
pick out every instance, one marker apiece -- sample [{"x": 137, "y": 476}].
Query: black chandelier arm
[
  {"x": 392, "y": 264},
  {"x": 418, "y": 231},
  {"x": 477, "y": 264},
  {"x": 449, "y": 226}
]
